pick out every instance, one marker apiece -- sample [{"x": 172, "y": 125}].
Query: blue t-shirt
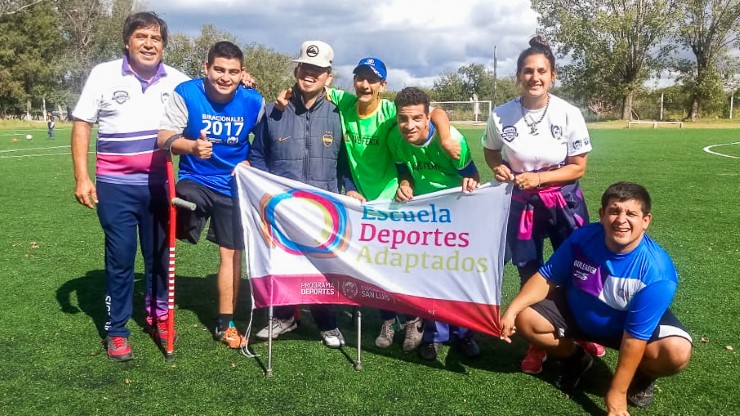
[
  {"x": 610, "y": 293},
  {"x": 227, "y": 126}
]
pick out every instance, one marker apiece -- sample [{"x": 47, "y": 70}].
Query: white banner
[{"x": 439, "y": 256}]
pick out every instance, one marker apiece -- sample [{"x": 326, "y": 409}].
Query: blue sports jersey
[
  {"x": 227, "y": 126},
  {"x": 610, "y": 293}
]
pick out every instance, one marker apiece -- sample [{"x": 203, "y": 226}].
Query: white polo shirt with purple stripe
[{"x": 128, "y": 110}]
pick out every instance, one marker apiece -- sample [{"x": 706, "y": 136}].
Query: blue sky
[{"x": 419, "y": 40}]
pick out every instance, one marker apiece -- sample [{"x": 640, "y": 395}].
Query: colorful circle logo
[{"x": 325, "y": 237}]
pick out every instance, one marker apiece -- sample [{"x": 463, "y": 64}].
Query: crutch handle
[{"x": 178, "y": 202}]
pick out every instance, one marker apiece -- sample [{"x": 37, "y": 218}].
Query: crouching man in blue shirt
[{"x": 608, "y": 283}]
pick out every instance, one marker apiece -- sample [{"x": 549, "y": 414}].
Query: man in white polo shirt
[{"x": 126, "y": 98}]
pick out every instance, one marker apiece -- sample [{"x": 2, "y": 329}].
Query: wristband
[{"x": 168, "y": 144}]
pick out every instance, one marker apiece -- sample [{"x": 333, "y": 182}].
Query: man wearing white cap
[
  {"x": 303, "y": 142},
  {"x": 366, "y": 119}
]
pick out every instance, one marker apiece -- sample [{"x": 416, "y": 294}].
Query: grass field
[{"x": 51, "y": 309}]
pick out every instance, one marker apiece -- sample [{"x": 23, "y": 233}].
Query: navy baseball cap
[{"x": 375, "y": 64}]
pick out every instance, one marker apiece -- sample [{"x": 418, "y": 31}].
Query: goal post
[{"x": 473, "y": 112}]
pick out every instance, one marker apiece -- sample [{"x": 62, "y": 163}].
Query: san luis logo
[{"x": 302, "y": 222}]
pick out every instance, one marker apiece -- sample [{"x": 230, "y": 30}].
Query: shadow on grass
[
  {"x": 496, "y": 356},
  {"x": 595, "y": 382},
  {"x": 90, "y": 292},
  {"x": 197, "y": 294}
]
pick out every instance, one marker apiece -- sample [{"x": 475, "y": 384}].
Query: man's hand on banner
[
  {"x": 507, "y": 327},
  {"x": 502, "y": 173},
  {"x": 243, "y": 162},
  {"x": 405, "y": 191},
  {"x": 469, "y": 184},
  {"x": 356, "y": 195}
]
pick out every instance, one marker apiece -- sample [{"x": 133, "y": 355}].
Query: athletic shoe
[
  {"x": 118, "y": 349},
  {"x": 641, "y": 391},
  {"x": 385, "y": 339},
  {"x": 469, "y": 347},
  {"x": 573, "y": 369},
  {"x": 231, "y": 337},
  {"x": 596, "y": 350},
  {"x": 333, "y": 338},
  {"x": 159, "y": 331},
  {"x": 532, "y": 362},
  {"x": 279, "y": 326},
  {"x": 414, "y": 330},
  {"x": 430, "y": 350}
]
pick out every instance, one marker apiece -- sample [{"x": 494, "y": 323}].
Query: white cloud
[{"x": 419, "y": 40}]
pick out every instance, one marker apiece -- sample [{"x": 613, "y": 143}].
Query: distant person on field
[
  {"x": 125, "y": 98},
  {"x": 540, "y": 143},
  {"x": 610, "y": 283},
  {"x": 303, "y": 142},
  {"x": 425, "y": 167},
  {"x": 207, "y": 122},
  {"x": 50, "y": 124}
]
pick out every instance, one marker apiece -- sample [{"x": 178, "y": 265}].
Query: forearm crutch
[{"x": 175, "y": 202}]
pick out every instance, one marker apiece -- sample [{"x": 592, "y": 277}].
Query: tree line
[{"x": 607, "y": 52}]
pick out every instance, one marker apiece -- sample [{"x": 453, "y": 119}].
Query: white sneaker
[
  {"x": 385, "y": 339},
  {"x": 279, "y": 326},
  {"x": 333, "y": 338},
  {"x": 414, "y": 332}
]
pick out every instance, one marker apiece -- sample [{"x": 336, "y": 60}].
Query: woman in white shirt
[{"x": 540, "y": 143}]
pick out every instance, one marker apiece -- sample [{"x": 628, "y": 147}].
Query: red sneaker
[
  {"x": 118, "y": 349},
  {"x": 596, "y": 350},
  {"x": 532, "y": 362},
  {"x": 159, "y": 331}
]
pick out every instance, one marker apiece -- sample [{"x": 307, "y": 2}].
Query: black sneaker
[
  {"x": 641, "y": 391},
  {"x": 469, "y": 347},
  {"x": 573, "y": 368},
  {"x": 429, "y": 351}
]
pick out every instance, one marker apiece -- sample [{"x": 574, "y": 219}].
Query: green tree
[
  {"x": 272, "y": 70},
  {"x": 108, "y": 40},
  {"x": 79, "y": 20},
  {"x": 708, "y": 29},
  {"x": 470, "y": 80},
  {"x": 30, "y": 51},
  {"x": 612, "y": 45},
  {"x": 8, "y": 7},
  {"x": 189, "y": 55},
  {"x": 449, "y": 87}
]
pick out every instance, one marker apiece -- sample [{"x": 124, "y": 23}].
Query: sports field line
[
  {"x": 19, "y": 131},
  {"x": 38, "y": 155},
  {"x": 35, "y": 148},
  {"x": 708, "y": 150}
]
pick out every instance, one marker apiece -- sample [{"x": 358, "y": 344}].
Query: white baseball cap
[{"x": 316, "y": 52}]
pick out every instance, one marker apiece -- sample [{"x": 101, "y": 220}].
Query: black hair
[
  {"x": 624, "y": 191},
  {"x": 143, "y": 19},
  {"x": 225, "y": 49},
  {"x": 412, "y": 96},
  {"x": 537, "y": 45}
]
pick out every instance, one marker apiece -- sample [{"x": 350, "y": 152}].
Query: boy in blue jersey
[
  {"x": 607, "y": 283},
  {"x": 207, "y": 121}
]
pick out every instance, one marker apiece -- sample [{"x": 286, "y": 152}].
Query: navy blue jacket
[{"x": 303, "y": 144}]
